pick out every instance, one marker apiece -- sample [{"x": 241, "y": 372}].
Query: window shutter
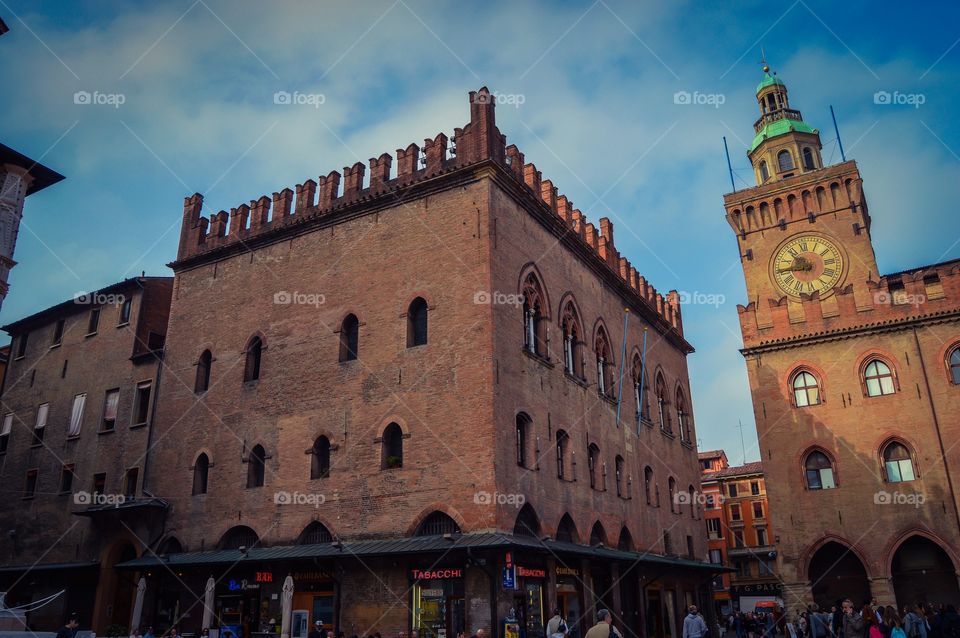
[
  {"x": 7, "y": 424},
  {"x": 42, "y": 416},
  {"x": 76, "y": 414}
]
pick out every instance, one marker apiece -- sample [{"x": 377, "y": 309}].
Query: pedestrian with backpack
[{"x": 915, "y": 622}]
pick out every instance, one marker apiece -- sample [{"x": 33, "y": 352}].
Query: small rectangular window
[
  {"x": 22, "y": 345},
  {"x": 130, "y": 482},
  {"x": 124, "y": 313},
  {"x": 99, "y": 482},
  {"x": 5, "y": 432},
  {"x": 933, "y": 287},
  {"x": 761, "y": 536},
  {"x": 41, "y": 425},
  {"x": 755, "y": 488},
  {"x": 738, "y": 538},
  {"x": 690, "y": 552},
  {"x": 735, "y": 512},
  {"x": 898, "y": 293},
  {"x": 66, "y": 478},
  {"x": 758, "y": 510},
  {"x": 141, "y": 403},
  {"x": 733, "y": 490},
  {"x": 30, "y": 487},
  {"x": 713, "y": 528},
  {"x": 58, "y": 333},
  {"x": 716, "y": 556},
  {"x": 76, "y": 415},
  {"x": 110, "y": 404},
  {"x": 94, "y": 323}
]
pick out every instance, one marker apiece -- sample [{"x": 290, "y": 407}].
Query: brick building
[
  {"x": 76, "y": 425},
  {"x": 855, "y": 379},
  {"x": 739, "y": 533},
  {"x": 401, "y": 390}
]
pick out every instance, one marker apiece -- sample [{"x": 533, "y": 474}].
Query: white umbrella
[
  {"x": 208, "y": 603},
  {"x": 138, "y": 604},
  {"x": 287, "y": 607}
]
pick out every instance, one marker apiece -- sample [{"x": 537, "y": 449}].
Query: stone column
[{"x": 881, "y": 588}]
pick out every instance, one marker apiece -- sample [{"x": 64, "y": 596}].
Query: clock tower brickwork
[{"x": 855, "y": 380}]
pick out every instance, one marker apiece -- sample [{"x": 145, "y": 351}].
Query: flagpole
[
  {"x": 623, "y": 357},
  {"x": 643, "y": 378}
]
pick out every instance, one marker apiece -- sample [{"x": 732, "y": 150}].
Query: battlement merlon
[
  {"x": 930, "y": 293},
  {"x": 779, "y": 203},
  {"x": 476, "y": 142}
]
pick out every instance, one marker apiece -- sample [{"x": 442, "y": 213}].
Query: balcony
[
  {"x": 775, "y": 116},
  {"x": 760, "y": 551}
]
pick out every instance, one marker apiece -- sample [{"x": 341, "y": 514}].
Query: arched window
[
  {"x": 661, "y": 390},
  {"x": 523, "y": 433},
  {"x": 567, "y": 531},
  {"x": 625, "y": 544},
  {"x": 527, "y": 523},
  {"x": 897, "y": 463},
  {"x": 437, "y": 524},
  {"x": 201, "y": 469},
  {"x": 806, "y": 390},
  {"x": 239, "y": 536},
  {"x": 256, "y": 464},
  {"x": 349, "y": 338},
  {"x": 593, "y": 462},
  {"x": 534, "y": 322},
  {"x": 316, "y": 533},
  {"x": 564, "y": 465},
  {"x": 819, "y": 471},
  {"x": 808, "y": 159},
  {"x": 618, "y": 469},
  {"x": 785, "y": 160},
  {"x": 672, "y": 487},
  {"x": 878, "y": 379},
  {"x": 764, "y": 171},
  {"x": 572, "y": 341},
  {"x": 202, "y": 382},
  {"x": 955, "y": 366},
  {"x": 320, "y": 458},
  {"x": 643, "y": 411},
  {"x": 683, "y": 418},
  {"x": 251, "y": 368},
  {"x": 392, "y": 450},
  {"x": 648, "y": 484},
  {"x": 170, "y": 546},
  {"x": 605, "y": 376},
  {"x": 598, "y": 535},
  {"x": 417, "y": 323}
]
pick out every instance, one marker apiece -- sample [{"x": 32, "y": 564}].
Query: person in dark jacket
[
  {"x": 70, "y": 629},
  {"x": 852, "y": 621}
]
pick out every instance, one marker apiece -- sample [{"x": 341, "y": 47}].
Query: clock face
[{"x": 807, "y": 263}]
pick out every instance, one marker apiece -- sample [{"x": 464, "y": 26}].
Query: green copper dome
[
  {"x": 769, "y": 80},
  {"x": 779, "y": 127}
]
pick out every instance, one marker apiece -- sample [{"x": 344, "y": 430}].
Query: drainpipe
[{"x": 936, "y": 423}]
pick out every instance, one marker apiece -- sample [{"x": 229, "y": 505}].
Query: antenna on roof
[
  {"x": 836, "y": 129},
  {"x": 729, "y": 166}
]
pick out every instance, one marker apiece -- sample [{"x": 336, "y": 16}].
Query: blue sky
[{"x": 598, "y": 117}]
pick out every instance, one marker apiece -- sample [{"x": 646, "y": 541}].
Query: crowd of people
[{"x": 847, "y": 620}]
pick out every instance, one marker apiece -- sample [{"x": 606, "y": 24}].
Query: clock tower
[
  {"x": 852, "y": 373},
  {"x": 804, "y": 230}
]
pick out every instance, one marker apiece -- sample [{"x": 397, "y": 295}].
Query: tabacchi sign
[{"x": 436, "y": 574}]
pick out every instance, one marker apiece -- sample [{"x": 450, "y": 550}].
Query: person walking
[
  {"x": 557, "y": 626},
  {"x": 694, "y": 626},
  {"x": 852, "y": 621},
  {"x": 818, "y": 626},
  {"x": 915, "y": 622},
  {"x": 69, "y": 630},
  {"x": 871, "y": 626},
  {"x": 604, "y": 627}
]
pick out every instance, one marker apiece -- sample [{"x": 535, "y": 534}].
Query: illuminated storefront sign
[{"x": 436, "y": 574}]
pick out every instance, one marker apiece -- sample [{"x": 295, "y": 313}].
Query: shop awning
[
  {"x": 49, "y": 567},
  {"x": 128, "y": 505},
  {"x": 415, "y": 545}
]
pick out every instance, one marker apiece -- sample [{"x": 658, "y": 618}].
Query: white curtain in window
[
  {"x": 42, "y": 416},
  {"x": 76, "y": 414},
  {"x": 7, "y": 424},
  {"x": 110, "y": 409}
]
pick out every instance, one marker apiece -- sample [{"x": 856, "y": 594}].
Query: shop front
[
  {"x": 527, "y": 582},
  {"x": 570, "y": 598},
  {"x": 247, "y": 605},
  {"x": 314, "y": 599},
  {"x": 437, "y": 608}
]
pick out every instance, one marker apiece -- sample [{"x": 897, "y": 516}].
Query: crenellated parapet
[
  {"x": 804, "y": 197},
  {"x": 476, "y": 143},
  {"x": 923, "y": 294}
]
